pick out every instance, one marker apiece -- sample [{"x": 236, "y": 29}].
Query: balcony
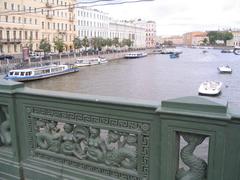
[
  {"x": 49, "y": 16},
  {"x": 48, "y": 5},
  {"x": 10, "y": 41}
]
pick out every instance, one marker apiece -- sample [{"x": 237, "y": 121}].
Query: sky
[{"x": 175, "y": 17}]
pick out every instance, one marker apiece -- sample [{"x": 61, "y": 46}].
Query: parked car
[{"x": 6, "y": 57}]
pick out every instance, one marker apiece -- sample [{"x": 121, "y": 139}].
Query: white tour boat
[
  {"x": 42, "y": 72},
  {"x": 89, "y": 62},
  {"x": 135, "y": 55},
  {"x": 225, "y": 69},
  {"x": 210, "y": 88}
]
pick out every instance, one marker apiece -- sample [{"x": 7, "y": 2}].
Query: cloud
[{"x": 176, "y": 17}]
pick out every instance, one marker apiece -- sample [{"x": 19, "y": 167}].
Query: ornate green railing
[{"x": 59, "y": 135}]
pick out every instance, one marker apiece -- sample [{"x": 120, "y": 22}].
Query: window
[
  {"x": 26, "y": 34},
  {"x": 6, "y": 17},
  {"x": 20, "y": 35},
  {"x": 5, "y": 5},
  {"x": 1, "y": 34},
  {"x": 12, "y": 6},
  {"x": 36, "y": 35},
  {"x": 42, "y": 25},
  {"x": 18, "y": 7},
  {"x": 13, "y": 19},
  {"x": 35, "y": 21},
  {"x": 14, "y": 34}
]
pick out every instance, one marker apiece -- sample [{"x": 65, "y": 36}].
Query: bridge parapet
[{"x": 60, "y": 135}]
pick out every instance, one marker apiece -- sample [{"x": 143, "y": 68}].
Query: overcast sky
[{"x": 175, "y": 17}]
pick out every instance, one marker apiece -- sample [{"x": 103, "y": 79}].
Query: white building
[
  {"x": 128, "y": 30},
  {"x": 150, "y": 30},
  {"x": 91, "y": 23}
]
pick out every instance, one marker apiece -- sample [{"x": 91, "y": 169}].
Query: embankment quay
[{"x": 5, "y": 65}]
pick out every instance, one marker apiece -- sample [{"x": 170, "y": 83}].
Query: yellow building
[
  {"x": 24, "y": 23},
  {"x": 194, "y": 38}
]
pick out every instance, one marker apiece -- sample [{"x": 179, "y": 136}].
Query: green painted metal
[{"x": 60, "y": 135}]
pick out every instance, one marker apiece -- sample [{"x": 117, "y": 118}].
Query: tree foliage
[
  {"x": 77, "y": 43},
  {"x": 59, "y": 44},
  {"x": 127, "y": 42},
  {"x": 85, "y": 42},
  {"x": 115, "y": 42},
  {"x": 45, "y": 45},
  {"x": 219, "y": 35}
]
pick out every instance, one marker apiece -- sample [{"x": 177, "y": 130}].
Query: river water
[{"x": 155, "y": 77}]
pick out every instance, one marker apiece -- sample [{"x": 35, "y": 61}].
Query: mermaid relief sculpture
[
  {"x": 124, "y": 153},
  {"x": 97, "y": 149},
  {"x": 197, "y": 167},
  {"x": 5, "y": 131},
  {"x": 48, "y": 138}
]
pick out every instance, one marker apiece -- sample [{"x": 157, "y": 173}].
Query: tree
[
  {"x": 205, "y": 41},
  {"x": 226, "y": 36},
  {"x": 98, "y": 43},
  {"x": 77, "y": 43},
  {"x": 108, "y": 42},
  {"x": 127, "y": 42},
  {"x": 45, "y": 45},
  {"x": 217, "y": 35},
  {"x": 58, "y": 44},
  {"x": 115, "y": 42},
  {"x": 85, "y": 42}
]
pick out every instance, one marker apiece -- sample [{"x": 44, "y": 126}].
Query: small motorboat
[
  {"x": 227, "y": 51},
  {"x": 225, "y": 69},
  {"x": 174, "y": 55},
  {"x": 210, "y": 88},
  {"x": 236, "y": 50}
]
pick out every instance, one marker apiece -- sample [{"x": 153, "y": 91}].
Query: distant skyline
[{"x": 175, "y": 17}]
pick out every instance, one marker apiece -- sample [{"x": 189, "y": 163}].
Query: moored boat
[
  {"x": 210, "y": 88},
  {"x": 89, "y": 62},
  {"x": 135, "y": 55},
  {"x": 227, "y": 51},
  {"x": 174, "y": 55},
  {"x": 42, "y": 72},
  {"x": 236, "y": 50},
  {"x": 225, "y": 69}
]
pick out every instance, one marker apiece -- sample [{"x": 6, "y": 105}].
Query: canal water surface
[{"x": 155, "y": 77}]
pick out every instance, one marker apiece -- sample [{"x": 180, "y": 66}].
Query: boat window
[
  {"x": 16, "y": 73},
  {"x": 11, "y": 73},
  {"x": 22, "y": 73}
]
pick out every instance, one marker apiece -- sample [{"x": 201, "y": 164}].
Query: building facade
[
  {"x": 235, "y": 41},
  {"x": 25, "y": 23},
  {"x": 91, "y": 23},
  {"x": 194, "y": 38},
  {"x": 176, "y": 40},
  {"x": 150, "y": 30},
  {"x": 128, "y": 30}
]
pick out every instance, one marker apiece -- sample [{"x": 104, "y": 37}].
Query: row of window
[
  {"x": 18, "y": 35},
  {"x": 58, "y": 26},
  {"x": 37, "y": 10},
  {"x": 92, "y": 24},
  {"x": 92, "y": 15}
]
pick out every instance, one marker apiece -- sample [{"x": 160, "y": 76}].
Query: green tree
[
  {"x": 226, "y": 36},
  {"x": 205, "y": 41},
  {"x": 77, "y": 43},
  {"x": 45, "y": 45},
  {"x": 115, "y": 42},
  {"x": 217, "y": 35},
  {"x": 127, "y": 42},
  {"x": 98, "y": 43},
  {"x": 109, "y": 42},
  {"x": 85, "y": 42},
  {"x": 59, "y": 44}
]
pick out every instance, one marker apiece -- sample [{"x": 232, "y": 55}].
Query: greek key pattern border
[{"x": 34, "y": 113}]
